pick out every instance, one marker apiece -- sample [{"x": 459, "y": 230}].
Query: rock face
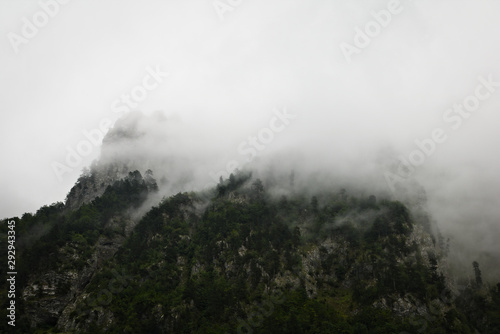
[
  {"x": 114, "y": 164},
  {"x": 88, "y": 187},
  {"x": 49, "y": 296},
  {"x": 94, "y": 182},
  {"x": 105, "y": 250}
]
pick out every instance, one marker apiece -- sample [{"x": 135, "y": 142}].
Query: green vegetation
[
  {"x": 240, "y": 260},
  {"x": 56, "y": 239}
]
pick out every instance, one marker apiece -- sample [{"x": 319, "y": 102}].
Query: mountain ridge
[{"x": 201, "y": 262}]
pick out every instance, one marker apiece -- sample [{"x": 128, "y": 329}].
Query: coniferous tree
[
  {"x": 477, "y": 273},
  {"x": 314, "y": 204}
]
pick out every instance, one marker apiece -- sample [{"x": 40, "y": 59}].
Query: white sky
[{"x": 228, "y": 75}]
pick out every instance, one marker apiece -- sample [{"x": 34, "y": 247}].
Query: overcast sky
[{"x": 357, "y": 86}]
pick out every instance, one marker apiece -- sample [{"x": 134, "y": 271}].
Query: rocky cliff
[{"x": 238, "y": 259}]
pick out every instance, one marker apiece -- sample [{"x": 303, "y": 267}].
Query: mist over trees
[{"x": 234, "y": 166}]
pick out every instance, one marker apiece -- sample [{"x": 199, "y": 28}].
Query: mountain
[
  {"x": 237, "y": 259},
  {"x": 269, "y": 250}
]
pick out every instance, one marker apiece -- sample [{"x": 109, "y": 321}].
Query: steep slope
[
  {"x": 237, "y": 259},
  {"x": 60, "y": 250}
]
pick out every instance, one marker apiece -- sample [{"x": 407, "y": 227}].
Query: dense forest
[{"x": 239, "y": 259}]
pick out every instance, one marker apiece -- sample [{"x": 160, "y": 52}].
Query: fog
[{"x": 253, "y": 84}]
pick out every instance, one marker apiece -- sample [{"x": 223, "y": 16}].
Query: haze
[{"x": 228, "y": 78}]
